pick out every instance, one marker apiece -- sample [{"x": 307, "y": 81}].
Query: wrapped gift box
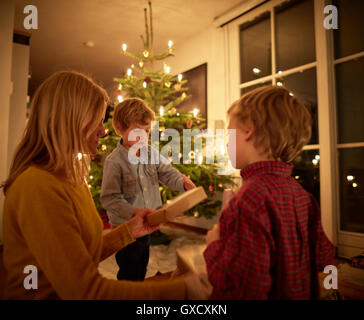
[{"x": 177, "y": 206}]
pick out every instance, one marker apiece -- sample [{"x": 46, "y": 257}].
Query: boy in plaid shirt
[{"x": 270, "y": 243}]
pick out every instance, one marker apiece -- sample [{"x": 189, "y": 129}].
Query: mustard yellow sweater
[{"x": 54, "y": 225}]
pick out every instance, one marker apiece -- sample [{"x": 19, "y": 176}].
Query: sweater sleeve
[
  {"x": 50, "y": 228},
  {"x": 115, "y": 240}
]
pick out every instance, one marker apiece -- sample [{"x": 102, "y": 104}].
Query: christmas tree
[{"x": 163, "y": 92}]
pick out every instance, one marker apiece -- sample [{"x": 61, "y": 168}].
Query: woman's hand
[
  {"x": 195, "y": 290},
  {"x": 138, "y": 224},
  {"x": 213, "y": 234},
  {"x": 188, "y": 184}
]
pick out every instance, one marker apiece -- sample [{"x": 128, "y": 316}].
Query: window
[
  {"x": 255, "y": 49},
  {"x": 283, "y": 42},
  {"x": 295, "y": 34},
  {"x": 272, "y": 51},
  {"x": 349, "y": 79}
]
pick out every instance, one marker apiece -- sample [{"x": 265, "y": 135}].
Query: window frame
[{"x": 348, "y": 243}]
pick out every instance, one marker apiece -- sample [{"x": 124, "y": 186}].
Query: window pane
[
  {"x": 295, "y": 36},
  {"x": 351, "y": 163},
  {"x": 307, "y": 171},
  {"x": 349, "y": 37},
  {"x": 247, "y": 89},
  {"x": 255, "y": 49},
  {"x": 350, "y": 97},
  {"x": 303, "y": 85}
]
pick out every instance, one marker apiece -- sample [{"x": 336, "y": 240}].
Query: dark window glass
[
  {"x": 350, "y": 99},
  {"x": 307, "y": 171},
  {"x": 303, "y": 85},
  {"x": 295, "y": 34},
  {"x": 351, "y": 163},
  {"x": 255, "y": 49},
  {"x": 349, "y": 37}
]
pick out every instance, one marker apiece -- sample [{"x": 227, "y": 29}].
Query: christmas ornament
[
  {"x": 189, "y": 124},
  {"x": 177, "y": 86}
]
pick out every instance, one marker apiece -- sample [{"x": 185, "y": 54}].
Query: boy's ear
[
  {"x": 117, "y": 129},
  {"x": 248, "y": 132}
]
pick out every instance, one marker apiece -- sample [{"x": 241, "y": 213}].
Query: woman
[{"x": 50, "y": 220}]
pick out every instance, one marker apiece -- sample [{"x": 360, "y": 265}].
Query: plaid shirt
[{"x": 272, "y": 244}]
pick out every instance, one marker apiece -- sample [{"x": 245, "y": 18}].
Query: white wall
[
  {"x": 18, "y": 99},
  {"x": 6, "y": 41},
  {"x": 207, "y": 46}
]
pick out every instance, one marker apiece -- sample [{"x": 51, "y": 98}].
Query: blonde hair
[
  {"x": 65, "y": 109},
  {"x": 282, "y": 123},
  {"x": 132, "y": 110}
]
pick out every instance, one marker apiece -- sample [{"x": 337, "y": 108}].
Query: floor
[{"x": 163, "y": 259}]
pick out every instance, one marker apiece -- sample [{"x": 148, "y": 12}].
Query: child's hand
[
  {"x": 138, "y": 224},
  {"x": 188, "y": 184},
  {"x": 213, "y": 234}
]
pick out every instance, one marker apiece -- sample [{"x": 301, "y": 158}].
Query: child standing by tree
[
  {"x": 270, "y": 243},
  {"x": 128, "y": 188}
]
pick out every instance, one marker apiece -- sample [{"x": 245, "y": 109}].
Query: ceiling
[{"x": 64, "y": 26}]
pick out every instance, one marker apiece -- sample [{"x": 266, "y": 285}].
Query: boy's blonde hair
[
  {"x": 65, "y": 110},
  {"x": 282, "y": 123},
  {"x": 132, "y": 111}
]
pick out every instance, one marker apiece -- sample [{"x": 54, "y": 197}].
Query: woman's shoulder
[{"x": 35, "y": 177}]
